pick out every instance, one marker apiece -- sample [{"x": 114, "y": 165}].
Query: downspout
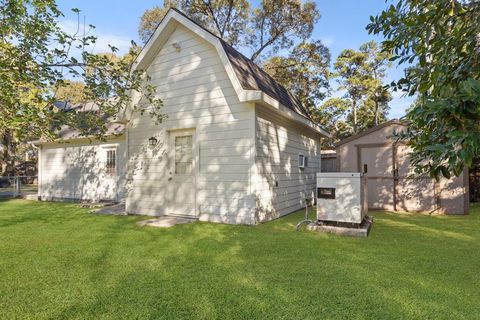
[{"x": 126, "y": 165}]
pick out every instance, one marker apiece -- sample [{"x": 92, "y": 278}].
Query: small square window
[{"x": 301, "y": 161}]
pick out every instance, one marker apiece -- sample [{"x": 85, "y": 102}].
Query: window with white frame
[
  {"x": 301, "y": 161},
  {"x": 111, "y": 164},
  {"x": 183, "y": 154}
]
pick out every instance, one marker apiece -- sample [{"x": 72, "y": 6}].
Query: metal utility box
[{"x": 341, "y": 196}]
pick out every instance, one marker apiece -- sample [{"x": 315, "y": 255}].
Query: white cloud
[
  {"x": 328, "y": 40},
  {"x": 103, "y": 39}
]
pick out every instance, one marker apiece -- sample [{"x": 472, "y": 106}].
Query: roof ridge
[
  {"x": 224, "y": 43},
  {"x": 250, "y": 75}
]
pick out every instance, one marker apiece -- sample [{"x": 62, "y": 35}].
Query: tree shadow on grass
[
  {"x": 225, "y": 272},
  {"x": 114, "y": 269}
]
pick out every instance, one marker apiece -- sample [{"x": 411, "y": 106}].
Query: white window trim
[
  {"x": 301, "y": 161},
  {"x": 111, "y": 148}
]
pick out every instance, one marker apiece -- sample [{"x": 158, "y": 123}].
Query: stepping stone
[
  {"x": 164, "y": 222},
  {"x": 115, "y": 209}
]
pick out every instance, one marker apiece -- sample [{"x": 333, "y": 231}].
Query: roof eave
[
  {"x": 108, "y": 137},
  {"x": 266, "y": 99},
  {"x": 369, "y": 131}
]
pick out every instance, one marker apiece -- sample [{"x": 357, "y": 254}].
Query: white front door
[{"x": 181, "y": 187}]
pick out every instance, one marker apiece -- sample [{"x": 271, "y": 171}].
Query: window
[
  {"x": 111, "y": 162},
  {"x": 302, "y": 161},
  {"x": 183, "y": 154}
]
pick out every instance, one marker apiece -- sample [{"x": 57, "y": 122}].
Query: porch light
[{"x": 152, "y": 141}]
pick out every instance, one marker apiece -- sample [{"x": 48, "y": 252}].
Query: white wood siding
[
  {"x": 197, "y": 94},
  {"x": 77, "y": 171},
  {"x": 280, "y": 185}
]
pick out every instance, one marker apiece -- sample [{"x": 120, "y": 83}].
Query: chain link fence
[{"x": 18, "y": 186}]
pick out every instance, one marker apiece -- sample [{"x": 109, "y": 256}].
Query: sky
[{"x": 341, "y": 26}]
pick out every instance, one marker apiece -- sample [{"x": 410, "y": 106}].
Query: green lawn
[{"x": 60, "y": 262}]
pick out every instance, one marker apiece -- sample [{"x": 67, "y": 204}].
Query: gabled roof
[
  {"x": 251, "y": 82},
  {"x": 252, "y": 77},
  {"x": 368, "y": 131}
]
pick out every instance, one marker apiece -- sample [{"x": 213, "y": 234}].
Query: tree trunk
[
  {"x": 376, "y": 112},
  {"x": 354, "y": 112},
  {"x": 8, "y": 144}
]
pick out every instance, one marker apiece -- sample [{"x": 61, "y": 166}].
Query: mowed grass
[{"x": 60, "y": 262}]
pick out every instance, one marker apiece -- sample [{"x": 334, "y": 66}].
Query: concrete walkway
[
  {"x": 159, "y": 222},
  {"x": 9, "y": 194},
  {"x": 164, "y": 222},
  {"x": 116, "y": 209}
]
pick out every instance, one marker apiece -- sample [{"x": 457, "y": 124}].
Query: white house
[{"x": 236, "y": 147}]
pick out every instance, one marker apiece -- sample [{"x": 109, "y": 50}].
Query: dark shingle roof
[
  {"x": 66, "y": 133},
  {"x": 252, "y": 77},
  {"x": 113, "y": 128}
]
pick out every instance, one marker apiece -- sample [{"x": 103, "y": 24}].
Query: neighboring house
[
  {"x": 236, "y": 147},
  {"x": 391, "y": 184}
]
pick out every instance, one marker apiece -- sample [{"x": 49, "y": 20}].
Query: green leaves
[
  {"x": 361, "y": 75},
  {"x": 262, "y": 31},
  {"x": 38, "y": 59},
  {"x": 442, "y": 38},
  {"x": 305, "y": 72},
  {"x": 225, "y": 18},
  {"x": 277, "y": 23},
  {"x": 424, "y": 87},
  {"x": 470, "y": 88}
]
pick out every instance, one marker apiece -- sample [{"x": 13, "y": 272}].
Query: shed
[{"x": 391, "y": 183}]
